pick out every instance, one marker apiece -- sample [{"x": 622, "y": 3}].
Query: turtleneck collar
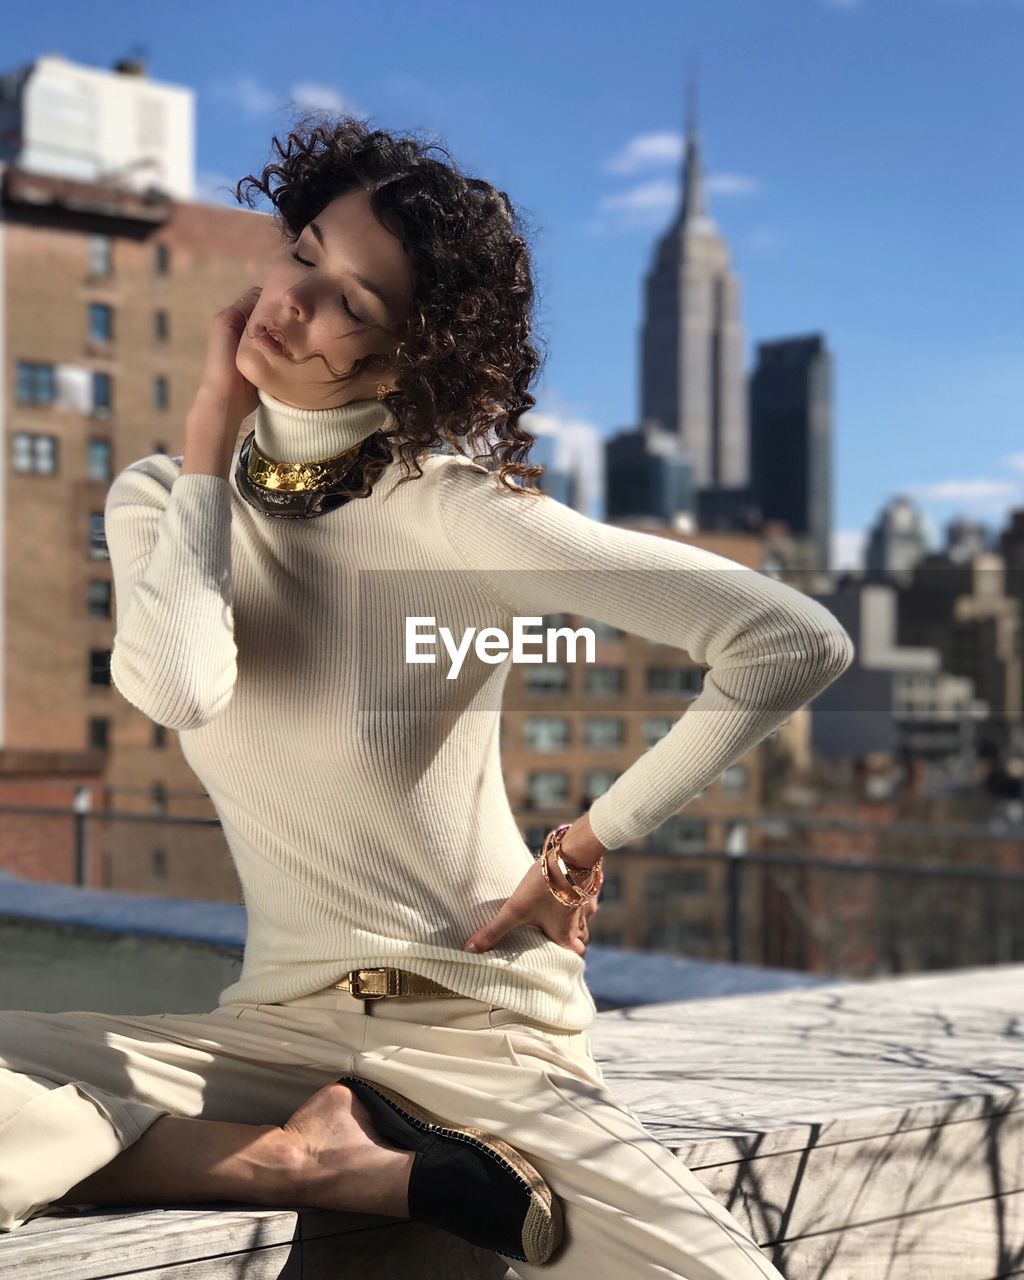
[{"x": 287, "y": 434}]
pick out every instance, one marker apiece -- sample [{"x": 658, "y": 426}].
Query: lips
[{"x": 263, "y": 333}]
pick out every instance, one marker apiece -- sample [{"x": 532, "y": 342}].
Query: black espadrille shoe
[{"x": 466, "y": 1181}]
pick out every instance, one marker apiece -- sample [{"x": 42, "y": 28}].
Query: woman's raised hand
[{"x": 222, "y": 387}]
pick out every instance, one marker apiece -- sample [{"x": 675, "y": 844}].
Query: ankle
[
  {"x": 379, "y": 1183},
  {"x": 280, "y": 1167}
]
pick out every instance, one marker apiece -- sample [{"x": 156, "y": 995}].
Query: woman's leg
[
  {"x": 181, "y": 1160},
  {"x": 633, "y": 1210},
  {"x": 98, "y": 1108}
]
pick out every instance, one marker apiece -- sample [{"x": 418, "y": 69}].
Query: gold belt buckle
[{"x": 378, "y": 983}]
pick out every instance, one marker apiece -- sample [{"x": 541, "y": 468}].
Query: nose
[{"x": 296, "y": 302}]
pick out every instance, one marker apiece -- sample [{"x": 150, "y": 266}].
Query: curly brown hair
[{"x": 465, "y": 358}]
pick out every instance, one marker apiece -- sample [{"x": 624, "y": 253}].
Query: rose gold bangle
[
  {"x": 583, "y": 892},
  {"x": 594, "y": 873}
]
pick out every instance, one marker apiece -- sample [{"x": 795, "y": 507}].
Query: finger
[
  {"x": 245, "y": 304},
  {"x": 486, "y": 937},
  {"x": 569, "y": 933}
]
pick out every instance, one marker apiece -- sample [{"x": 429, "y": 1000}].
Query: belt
[{"x": 373, "y": 984}]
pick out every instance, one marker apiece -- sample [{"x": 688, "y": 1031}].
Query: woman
[{"x": 408, "y": 961}]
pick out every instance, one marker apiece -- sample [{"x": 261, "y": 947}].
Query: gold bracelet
[
  {"x": 594, "y": 873},
  {"x": 582, "y": 892}
]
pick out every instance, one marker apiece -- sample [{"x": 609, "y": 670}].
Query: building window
[
  {"x": 161, "y": 326},
  {"x": 159, "y": 734},
  {"x": 611, "y": 889},
  {"x": 99, "y": 733},
  {"x": 604, "y": 731},
  {"x": 97, "y": 537},
  {"x": 605, "y": 631},
  {"x": 655, "y": 729},
  {"x": 551, "y": 677},
  {"x": 102, "y": 394},
  {"x": 546, "y": 733},
  {"x": 675, "y": 680},
  {"x": 735, "y": 779},
  {"x": 680, "y": 835},
  {"x": 99, "y": 598},
  {"x": 606, "y": 937},
  {"x": 158, "y": 864},
  {"x": 36, "y": 383},
  {"x": 163, "y": 259},
  {"x": 99, "y": 461},
  {"x": 101, "y": 322},
  {"x": 160, "y": 393},
  {"x": 99, "y": 666},
  {"x": 677, "y": 935},
  {"x": 675, "y": 884},
  {"x": 605, "y": 682},
  {"x": 595, "y": 783},
  {"x": 547, "y": 789},
  {"x": 101, "y": 255},
  {"x": 535, "y": 837},
  {"x": 158, "y": 800},
  {"x": 34, "y": 454}
]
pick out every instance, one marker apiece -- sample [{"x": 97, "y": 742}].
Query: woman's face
[{"x": 323, "y": 308}]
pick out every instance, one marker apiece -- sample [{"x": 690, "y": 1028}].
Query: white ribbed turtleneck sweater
[{"x": 361, "y": 797}]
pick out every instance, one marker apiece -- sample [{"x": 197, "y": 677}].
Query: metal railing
[{"x": 844, "y": 916}]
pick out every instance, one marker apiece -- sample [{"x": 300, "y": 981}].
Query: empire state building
[{"x": 692, "y": 380}]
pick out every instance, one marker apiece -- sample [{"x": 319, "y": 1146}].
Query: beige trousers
[{"x": 78, "y": 1087}]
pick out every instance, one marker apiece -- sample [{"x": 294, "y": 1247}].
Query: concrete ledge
[
  {"x": 857, "y": 1131},
  {"x": 225, "y": 1242}
]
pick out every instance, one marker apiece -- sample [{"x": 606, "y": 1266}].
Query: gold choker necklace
[{"x": 299, "y": 477}]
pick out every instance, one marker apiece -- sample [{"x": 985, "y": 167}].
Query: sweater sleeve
[
  {"x": 169, "y": 540},
  {"x": 767, "y": 647}
]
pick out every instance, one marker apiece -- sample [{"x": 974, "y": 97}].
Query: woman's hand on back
[{"x": 534, "y": 903}]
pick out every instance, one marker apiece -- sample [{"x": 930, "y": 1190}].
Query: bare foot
[{"x": 347, "y": 1165}]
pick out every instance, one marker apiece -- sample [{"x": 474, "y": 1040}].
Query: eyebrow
[{"x": 368, "y": 285}]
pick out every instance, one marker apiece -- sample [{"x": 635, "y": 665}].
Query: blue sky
[{"x": 863, "y": 161}]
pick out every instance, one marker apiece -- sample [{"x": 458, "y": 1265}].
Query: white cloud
[
  {"x": 659, "y": 196},
  {"x": 966, "y": 491},
  {"x": 1015, "y": 461},
  {"x": 249, "y": 95},
  {"x": 647, "y": 150},
  {"x": 254, "y": 99},
  {"x": 320, "y": 97},
  {"x": 731, "y": 184}
]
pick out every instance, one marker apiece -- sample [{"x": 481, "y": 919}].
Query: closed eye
[{"x": 344, "y": 300}]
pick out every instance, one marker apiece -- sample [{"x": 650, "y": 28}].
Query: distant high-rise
[
  {"x": 649, "y": 475},
  {"x": 791, "y": 438},
  {"x": 692, "y": 379},
  {"x": 556, "y": 481},
  {"x": 896, "y": 543}
]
